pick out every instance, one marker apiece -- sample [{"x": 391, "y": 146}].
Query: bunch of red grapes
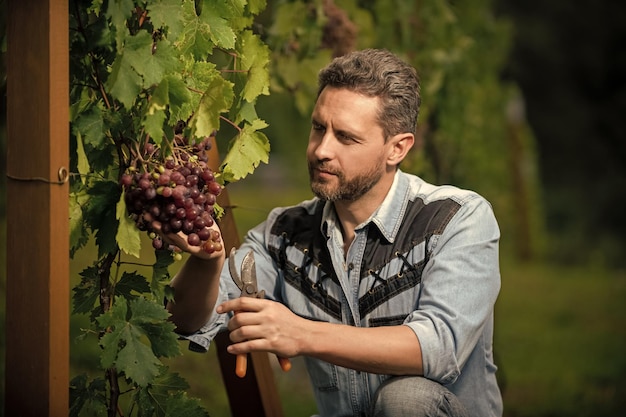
[{"x": 179, "y": 191}]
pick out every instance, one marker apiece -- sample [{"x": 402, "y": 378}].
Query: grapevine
[{"x": 151, "y": 81}]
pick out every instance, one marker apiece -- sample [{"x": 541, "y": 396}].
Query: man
[{"x": 384, "y": 283}]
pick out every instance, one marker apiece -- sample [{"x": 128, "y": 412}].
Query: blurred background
[{"x": 522, "y": 102}]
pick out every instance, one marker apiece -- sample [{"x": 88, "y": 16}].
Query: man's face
[{"x": 346, "y": 151}]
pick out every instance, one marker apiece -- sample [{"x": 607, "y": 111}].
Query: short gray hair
[{"x": 378, "y": 73}]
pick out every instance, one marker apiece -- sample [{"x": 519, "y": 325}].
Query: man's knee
[{"x": 415, "y": 397}]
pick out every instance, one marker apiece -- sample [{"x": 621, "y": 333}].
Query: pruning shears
[{"x": 247, "y": 283}]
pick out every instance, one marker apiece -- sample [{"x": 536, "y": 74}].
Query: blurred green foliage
[{"x": 471, "y": 129}]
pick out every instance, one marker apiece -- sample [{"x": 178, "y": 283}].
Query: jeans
[{"x": 413, "y": 396}]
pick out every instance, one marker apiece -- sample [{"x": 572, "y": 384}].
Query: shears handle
[
  {"x": 241, "y": 364},
  {"x": 285, "y": 363}
]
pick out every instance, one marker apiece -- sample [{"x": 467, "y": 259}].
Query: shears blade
[{"x": 246, "y": 281}]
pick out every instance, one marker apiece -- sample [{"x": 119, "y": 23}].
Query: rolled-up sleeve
[{"x": 460, "y": 285}]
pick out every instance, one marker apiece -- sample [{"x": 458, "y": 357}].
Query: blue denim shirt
[{"x": 426, "y": 259}]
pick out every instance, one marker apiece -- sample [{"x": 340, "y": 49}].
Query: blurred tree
[
  {"x": 472, "y": 128},
  {"x": 569, "y": 61}
]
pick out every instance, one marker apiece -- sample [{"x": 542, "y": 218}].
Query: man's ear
[{"x": 399, "y": 147}]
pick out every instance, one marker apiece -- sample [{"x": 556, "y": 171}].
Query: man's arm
[
  {"x": 391, "y": 350},
  {"x": 264, "y": 325},
  {"x": 196, "y": 285}
]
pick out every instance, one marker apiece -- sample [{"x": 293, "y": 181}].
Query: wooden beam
[
  {"x": 255, "y": 395},
  {"x": 37, "y": 316}
]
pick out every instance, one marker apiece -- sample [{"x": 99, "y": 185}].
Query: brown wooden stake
[
  {"x": 256, "y": 394},
  {"x": 37, "y": 317}
]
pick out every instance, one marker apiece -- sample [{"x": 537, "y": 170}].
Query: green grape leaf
[
  {"x": 78, "y": 233},
  {"x": 203, "y": 73},
  {"x": 195, "y": 38},
  {"x": 123, "y": 82},
  {"x": 83, "y": 101},
  {"x": 180, "y": 404},
  {"x": 255, "y": 58},
  {"x": 153, "y": 123},
  {"x": 105, "y": 235},
  {"x": 217, "y": 99},
  {"x": 152, "y": 400},
  {"x": 151, "y": 61},
  {"x": 131, "y": 324},
  {"x": 90, "y": 125},
  {"x": 86, "y": 293},
  {"x": 87, "y": 399},
  {"x": 138, "y": 362},
  {"x": 81, "y": 157},
  {"x": 160, "y": 272},
  {"x": 233, "y": 8},
  {"x": 99, "y": 213},
  {"x": 166, "y": 14},
  {"x": 128, "y": 235},
  {"x": 131, "y": 285},
  {"x": 247, "y": 150},
  {"x": 247, "y": 112},
  {"x": 118, "y": 11},
  {"x": 256, "y": 6},
  {"x": 151, "y": 317},
  {"x": 220, "y": 31},
  {"x": 178, "y": 93}
]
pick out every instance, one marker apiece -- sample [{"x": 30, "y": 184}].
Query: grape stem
[{"x": 230, "y": 123}]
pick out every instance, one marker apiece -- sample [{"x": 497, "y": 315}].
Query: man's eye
[
  {"x": 317, "y": 126},
  {"x": 345, "y": 137}
]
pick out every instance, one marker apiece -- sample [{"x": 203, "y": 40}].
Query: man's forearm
[
  {"x": 196, "y": 287},
  {"x": 393, "y": 350}
]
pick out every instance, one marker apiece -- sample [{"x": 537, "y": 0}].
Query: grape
[
  {"x": 155, "y": 210},
  {"x": 204, "y": 233},
  {"x": 191, "y": 213},
  {"x": 178, "y": 190},
  {"x": 150, "y": 193},
  {"x": 199, "y": 223},
  {"x": 215, "y": 188},
  {"x": 126, "y": 180},
  {"x": 144, "y": 183},
  {"x": 170, "y": 209},
  {"x": 193, "y": 239},
  {"x": 164, "y": 179},
  {"x": 176, "y": 225},
  {"x": 167, "y": 192},
  {"x": 188, "y": 226}
]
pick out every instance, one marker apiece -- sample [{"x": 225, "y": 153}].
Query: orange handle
[
  {"x": 285, "y": 363},
  {"x": 241, "y": 365}
]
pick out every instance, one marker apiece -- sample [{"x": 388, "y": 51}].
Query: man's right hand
[{"x": 180, "y": 240}]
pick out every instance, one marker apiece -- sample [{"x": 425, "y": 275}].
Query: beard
[{"x": 341, "y": 188}]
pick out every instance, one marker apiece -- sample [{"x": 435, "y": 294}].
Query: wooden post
[
  {"x": 256, "y": 394},
  {"x": 37, "y": 317}
]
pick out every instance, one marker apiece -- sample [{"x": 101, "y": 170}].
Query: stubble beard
[{"x": 344, "y": 189}]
